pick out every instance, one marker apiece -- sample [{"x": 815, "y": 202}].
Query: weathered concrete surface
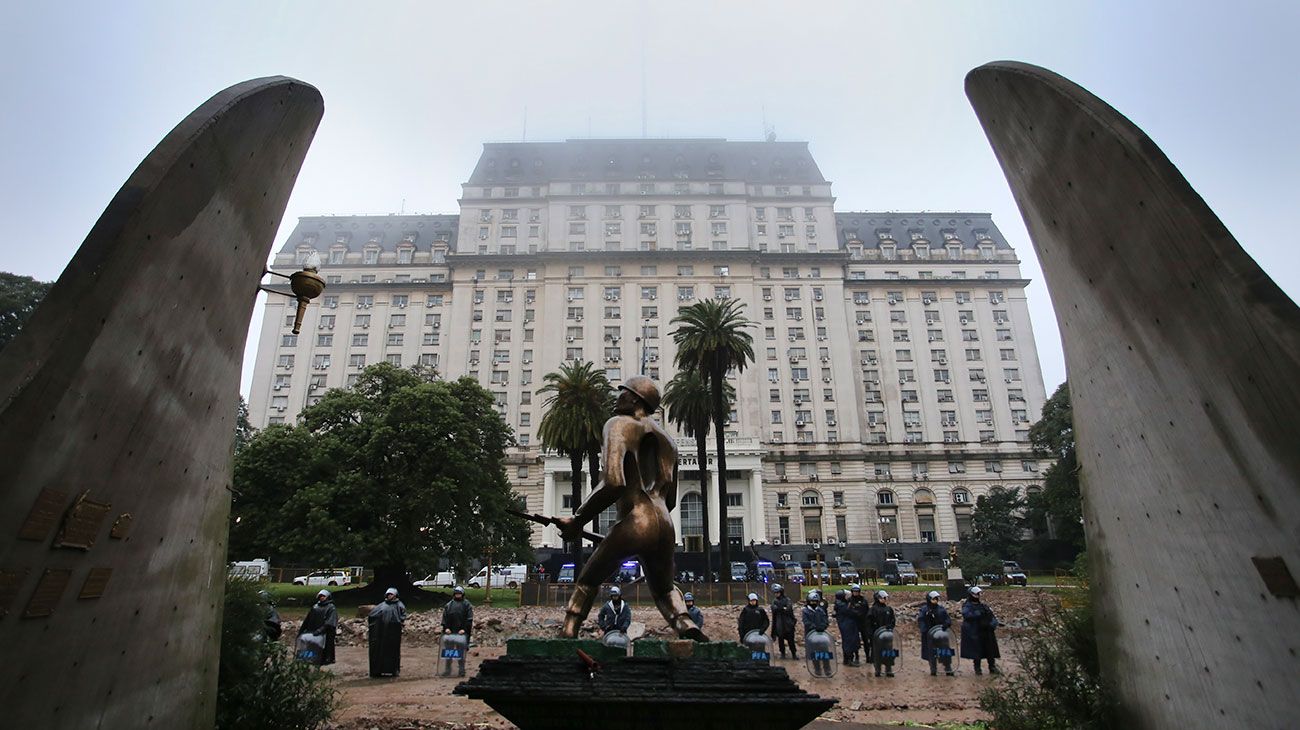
[
  {"x": 1183, "y": 359},
  {"x": 123, "y": 388}
]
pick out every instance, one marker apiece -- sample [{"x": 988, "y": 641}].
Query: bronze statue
[
  {"x": 640, "y": 475},
  {"x": 952, "y": 555}
]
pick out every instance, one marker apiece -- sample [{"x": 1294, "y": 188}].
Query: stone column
[
  {"x": 550, "y": 536},
  {"x": 712, "y": 496},
  {"x": 756, "y": 523}
]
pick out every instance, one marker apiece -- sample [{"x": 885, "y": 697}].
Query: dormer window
[
  {"x": 370, "y": 255},
  {"x": 337, "y": 255},
  {"x": 921, "y": 250},
  {"x": 303, "y": 253},
  {"x": 405, "y": 254},
  {"x": 888, "y": 251}
]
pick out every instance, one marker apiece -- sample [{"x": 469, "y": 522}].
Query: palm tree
[
  {"x": 688, "y": 403},
  {"x": 579, "y": 404},
  {"x": 711, "y": 340}
]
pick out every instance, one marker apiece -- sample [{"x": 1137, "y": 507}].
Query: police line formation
[{"x": 866, "y": 630}]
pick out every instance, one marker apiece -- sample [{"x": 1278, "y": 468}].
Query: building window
[
  {"x": 783, "y": 527},
  {"x": 885, "y": 496}
]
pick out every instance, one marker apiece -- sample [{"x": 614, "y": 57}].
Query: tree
[
  {"x": 1061, "y": 501},
  {"x": 397, "y": 472},
  {"x": 19, "y": 297},
  {"x": 259, "y": 684},
  {"x": 688, "y": 403},
  {"x": 996, "y": 527},
  {"x": 243, "y": 429},
  {"x": 712, "y": 341},
  {"x": 580, "y": 401}
]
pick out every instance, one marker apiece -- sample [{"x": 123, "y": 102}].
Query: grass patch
[{"x": 288, "y": 595}]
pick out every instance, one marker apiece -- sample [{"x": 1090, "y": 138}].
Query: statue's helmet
[{"x": 645, "y": 389}]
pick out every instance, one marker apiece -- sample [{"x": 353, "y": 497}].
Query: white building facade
[{"x": 896, "y": 372}]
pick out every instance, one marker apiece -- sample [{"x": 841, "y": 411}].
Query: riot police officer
[
  {"x": 616, "y": 614},
  {"x": 977, "y": 626},
  {"x": 783, "y": 621},
  {"x": 934, "y": 615},
  {"x": 691, "y": 610},
  {"x": 881, "y": 616},
  {"x": 752, "y": 617},
  {"x": 848, "y": 625}
]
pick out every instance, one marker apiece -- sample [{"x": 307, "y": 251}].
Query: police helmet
[
  {"x": 324, "y": 593},
  {"x": 814, "y": 595},
  {"x": 753, "y": 597},
  {"x": 776, "y": 588},
  {"x": 457, "y": 589},
  {"x": 688, "y": 597},
  {"x": 975, "y": 591},
  {"x": 932, "y": 596},
  {"x": 882, "y": 595},
  {"x": 856, "y": 588},
  {"x": 614, "y": 592}
]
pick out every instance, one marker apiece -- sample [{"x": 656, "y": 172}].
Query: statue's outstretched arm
[{"x": 598, "y": 501}]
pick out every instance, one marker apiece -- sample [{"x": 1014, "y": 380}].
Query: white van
[
  {"x": 259, "y": 570},
  {"x": 443, "y": 579},
  {"x": 503, "y": 576}
]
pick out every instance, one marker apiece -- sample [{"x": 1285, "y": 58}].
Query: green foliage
[
  {"x": 19, "y": 297},
  {"x": 1059, "y": 685},
  {"x": 711, "y": 341},
  {"x": 997, "y": 524},
  {"x": 394, "y": 472},
  {"x": 243, "y": 428},
  {"x": 259, "y": 685},
  {"x": 1080, "y": 569},
  {"x": 974, "y": 564},
  {"x": 580, "y": 400},
  {"x": 688, "y": 403},
  {"x": 1061, "y": 501}
]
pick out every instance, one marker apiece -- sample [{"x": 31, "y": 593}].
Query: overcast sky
[{"x": 413, "y": 89}]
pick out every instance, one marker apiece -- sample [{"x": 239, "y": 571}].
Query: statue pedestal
[
  {"x": 956, "y": 585},
  {"x": 543, "y": 684}
]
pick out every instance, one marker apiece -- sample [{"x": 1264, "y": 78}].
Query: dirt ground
[{"x": 419, "y": 699}]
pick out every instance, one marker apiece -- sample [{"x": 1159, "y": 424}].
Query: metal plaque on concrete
[
  {"x": 82, "y": 524},
  {"x": 47, "y": 593},
  {"x": 10, "y": 581},
  {"x": 121, "y": 527},
  {"x": 44, "y": 515},
  {"x": 95, "y": 583}
]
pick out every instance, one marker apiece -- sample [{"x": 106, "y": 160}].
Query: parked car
[
  {"x": 793, "y": 572},
  {"x": 629, "y": 571},
  {"x": 740, "y": 572},
  {"x": 566, "y": 574},
  {"x": 504, "y": 576},
  {"x": 846, "y": 571},
  {"x": 762, "y": 571},
  {"x": 1011, "y": 575},
  {"x": 899, "y": 573},
  {"x": 331, "y": 577},
  {"x": 816, "y": 568},
  {"x": 442, "y": 579},
  {"x": 258, "y": 570}
]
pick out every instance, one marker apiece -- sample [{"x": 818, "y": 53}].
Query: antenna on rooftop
[{"x": 769, "y": 132}]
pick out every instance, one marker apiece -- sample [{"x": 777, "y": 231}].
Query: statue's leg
[
  {"x": 658, "y": 568},
  {"x": 587, "y": 586}
]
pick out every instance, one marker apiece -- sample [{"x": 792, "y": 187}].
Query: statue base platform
[
  {"x": 956, "y": 585},
  {"x": 542, "y": 684}
]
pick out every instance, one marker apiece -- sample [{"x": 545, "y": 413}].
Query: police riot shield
[
  {"x": 453, "y": 648},
  {"x": 615, "y": 640},
  {"x": 883, "y": 651},
  {"x": 760, "y": 647},
  {"x": 820, "y": 654},
  {"x": 941, "y": 651},
  {"x": 311, "y": 649}
]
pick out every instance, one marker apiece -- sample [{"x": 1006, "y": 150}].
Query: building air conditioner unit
[
  {"x": 570, "y": 339},
  {"x": 473, "y": 363},
  {"x": 280, "y": 408},
  {"x": 927, "y": 300},
  {"x": 313, "y": 386},
  {"x": 364, "y": 326},
  {"x": 929, "y": 321},
  {"x": 965, "y": 320},
  {"x": 826, "y": 380},
  {"x": 831, "y": 423},
  {"x": 767, "y": 297},
  {"x": 276, "y": 387},
  {"x": 813, "y": 478},
  {"x": 893, "y": 300}
]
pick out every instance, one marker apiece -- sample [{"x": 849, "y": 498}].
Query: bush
[
  {"x": 1059, "y": 686},
  {"x": 259, "y": 684},
  {"x": 975, "y": 564}
]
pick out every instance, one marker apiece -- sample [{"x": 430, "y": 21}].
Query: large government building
[{"x": 896, "y": 373}]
